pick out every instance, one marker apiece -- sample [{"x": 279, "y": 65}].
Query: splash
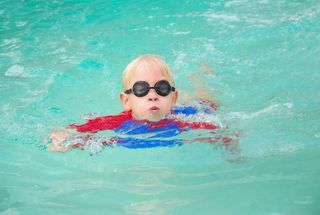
[{"x": 272, "y": 109}]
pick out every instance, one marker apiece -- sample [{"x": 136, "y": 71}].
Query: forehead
[{"x": 149, "y": 74}]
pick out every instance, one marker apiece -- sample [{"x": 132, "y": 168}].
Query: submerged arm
[{"x": 91, "y": 126}]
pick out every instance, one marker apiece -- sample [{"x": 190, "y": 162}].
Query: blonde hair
[{"x": 149, "y": 60}]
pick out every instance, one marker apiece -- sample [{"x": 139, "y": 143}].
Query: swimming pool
[{"x": 61, "y": 60}]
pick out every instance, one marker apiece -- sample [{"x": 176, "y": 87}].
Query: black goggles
[{"x": 142, "y": 88}]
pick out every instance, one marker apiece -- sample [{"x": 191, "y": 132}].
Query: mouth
[{"x": 154, "y": 109}]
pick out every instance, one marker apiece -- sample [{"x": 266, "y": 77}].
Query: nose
[{"x": 152, "y": 95}]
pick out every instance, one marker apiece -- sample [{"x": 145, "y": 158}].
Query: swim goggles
[{"x": 142, "y": 88}]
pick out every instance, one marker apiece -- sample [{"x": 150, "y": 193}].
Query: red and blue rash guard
[{"x": 124, "y": 123}]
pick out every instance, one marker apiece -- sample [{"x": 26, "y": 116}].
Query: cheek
[
  {"x": 167, "y": 104},
  {"x": 138, "y": 105}
]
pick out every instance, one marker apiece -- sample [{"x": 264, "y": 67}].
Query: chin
[
  {"x": 154, "y": 118},
  {"x": 151, "y": 118}
]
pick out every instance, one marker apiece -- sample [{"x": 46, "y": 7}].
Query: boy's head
[{"x": 149, "y": 105}]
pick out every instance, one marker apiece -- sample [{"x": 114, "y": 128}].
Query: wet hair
[{"x": 142, "y": 61}]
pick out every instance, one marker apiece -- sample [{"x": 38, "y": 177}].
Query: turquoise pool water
[{"x": 61, "y": 60}]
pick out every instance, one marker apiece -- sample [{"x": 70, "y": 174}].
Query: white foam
[
  {"x": 180, "y": 61},
  {"x": 198, "y": 117},
  {"x": 289, "y": 148},
  {"x": 182, "y": 32},
  {"x": 271, "y": 109},
  {"x": 15, "y": 71},
  {"x": 13, "y": 41},
  {"x": 21, "y": 23},
  {"x": 308, "y": 13},
  {"x": 12, "y": 211},
  {"x": 226, "y": 17}
]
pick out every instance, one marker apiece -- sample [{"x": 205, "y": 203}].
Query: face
[{"x": 151, "y": 107}]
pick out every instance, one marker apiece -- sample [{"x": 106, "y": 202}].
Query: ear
[
  {"x": 124, "y": 98},
  {"x": 175, "y": 98}
]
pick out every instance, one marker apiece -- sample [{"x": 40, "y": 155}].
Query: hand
[{"x": 58, "y": 137}]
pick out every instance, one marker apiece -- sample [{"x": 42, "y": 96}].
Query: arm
[
  {"x": 91, "y": 126},
  {"x": 200, "y": 92},
  {"x": 102, "y": 123},
  {"x": 58, "y": 137}
]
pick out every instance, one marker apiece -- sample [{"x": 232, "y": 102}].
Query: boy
[
  {"x": 149, "y": 105},
  {"x": 149, "y": 96}
]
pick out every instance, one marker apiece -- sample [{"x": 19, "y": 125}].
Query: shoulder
[
  {"x": 103, "y": 123},
  {"x": 187, "y": 110},
  {"x": 196, "y": 106}
]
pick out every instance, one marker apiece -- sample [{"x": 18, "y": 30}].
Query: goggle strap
[{"x": 128, "y": 91}]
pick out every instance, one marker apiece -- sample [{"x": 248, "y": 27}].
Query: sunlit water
[{"x": 60, "y": 61}]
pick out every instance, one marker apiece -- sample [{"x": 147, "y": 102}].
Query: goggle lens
[{"x": 142, "y": 88}]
